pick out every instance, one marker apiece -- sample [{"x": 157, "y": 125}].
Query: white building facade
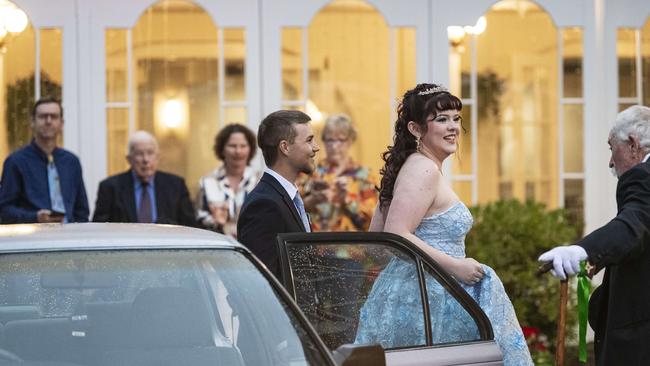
[{"x": 541, "y": 81}]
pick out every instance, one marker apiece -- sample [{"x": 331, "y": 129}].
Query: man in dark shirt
[
  {"x": 144, "y": 194},
  {"x": 618, "y": 308},
  {"x": 40, "y": 181}
]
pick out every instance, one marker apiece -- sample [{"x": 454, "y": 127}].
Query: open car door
[{"x": 381, "y": 288}]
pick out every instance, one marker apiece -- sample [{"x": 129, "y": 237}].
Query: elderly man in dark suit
[
  {"x": 620, "y": 307},
  {"x": 274, "y": 206},
  {"x": 143, "y": 194}
]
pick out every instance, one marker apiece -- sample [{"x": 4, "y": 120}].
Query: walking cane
[
  {"x": 586, "y": 273},
  {"x": 561, "y": 324}
]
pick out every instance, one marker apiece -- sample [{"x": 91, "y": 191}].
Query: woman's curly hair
[{"x": 416, "y": 105}]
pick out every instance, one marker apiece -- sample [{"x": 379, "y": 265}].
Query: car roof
[{"x": 46, "y": 237}]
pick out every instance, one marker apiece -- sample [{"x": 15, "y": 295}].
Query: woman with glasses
[{"x": 340, "y": 195}]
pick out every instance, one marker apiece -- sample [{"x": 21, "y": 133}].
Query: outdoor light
[
  {"x": 12, "y": 21},
  {"x": 312, "y": 110},
  {"x": 172, "y": 113},
  {"x": 456, "y": 33},
  {"x": 480, "y": 26},
  {"x": 15, "y": 20}
]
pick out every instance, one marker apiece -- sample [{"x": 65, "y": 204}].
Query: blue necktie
[
  {"x": 56, "y": 198},
  {"x": 301, "y": 210},
  {"x": 144, "y": 211}
]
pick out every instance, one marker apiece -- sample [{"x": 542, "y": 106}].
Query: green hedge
[{"x": 509, "y": 236}]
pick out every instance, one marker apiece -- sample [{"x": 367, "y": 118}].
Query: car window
[
  {"x": 136, "y": 307},
  {"x": 450, "y": 322},
  {"x": 359, "y": 293}
]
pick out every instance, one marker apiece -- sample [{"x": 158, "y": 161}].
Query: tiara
[{"x": 434, "y": 89}]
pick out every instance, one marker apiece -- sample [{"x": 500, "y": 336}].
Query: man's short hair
[
  {"x": 276, "y": 127},
  {"x": 139, "y": 136},
  {"x": 46, "y": 100},
  {"x": 633, "y": 121}
]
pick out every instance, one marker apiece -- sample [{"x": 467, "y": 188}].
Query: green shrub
[{"x": 509, "y": 236}]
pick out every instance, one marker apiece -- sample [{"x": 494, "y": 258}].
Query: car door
[{"x": 381, "y": 288}]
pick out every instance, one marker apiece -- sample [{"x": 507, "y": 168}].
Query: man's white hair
[
  {"x": 633, "y": 121},
  {"x": 141, "y": 135}
]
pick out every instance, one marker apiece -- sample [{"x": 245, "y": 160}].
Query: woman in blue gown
[{"x": 416, "y": 202}]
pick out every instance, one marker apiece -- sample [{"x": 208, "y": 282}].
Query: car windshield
[{"x": 145, "y": 307}]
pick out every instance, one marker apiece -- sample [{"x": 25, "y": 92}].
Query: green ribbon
[{"x": 584, "y": 287}]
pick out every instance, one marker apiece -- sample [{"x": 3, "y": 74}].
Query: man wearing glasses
[{"x": 40, "y": 181}]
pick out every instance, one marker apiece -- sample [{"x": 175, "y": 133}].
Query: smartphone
[
  {"x": 319, "y": 185},
  {"x": 57, "y": 215}
]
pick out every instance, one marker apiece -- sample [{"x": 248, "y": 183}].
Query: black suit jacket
[
  {"x": 267, "y": 211},
  {"x": 620, "y": 307},
  {"x": 116, "y": 200}
]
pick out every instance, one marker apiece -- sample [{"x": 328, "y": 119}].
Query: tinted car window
[
  {"x": 346, "y": 290},
  {"x": 147, "y": 307},
  {"x": 450, "y": 322}
]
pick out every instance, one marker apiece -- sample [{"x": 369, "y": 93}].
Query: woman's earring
[{"x": 418, "y": 144}]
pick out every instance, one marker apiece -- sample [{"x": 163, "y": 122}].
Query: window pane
[
  {"x": 462, "y": 160},
  {"x": 116, "y": 65},
  {"x": 517, "y": 105},
  {"x": 351, "y": 292},
  {"x": 574, "y": 198},
  {"x": 450, "y": 322},
  {"x": 460, "y": 63},
  {"x": 234, "y": 115},
  {"x": 573, "y": 138},
  {"x": 117, "y": 131},
  {"x": 294, "y": 107},
  {"x": 342, "y": 38},
  {"x": 176, "y": 85},
  {"x": 572, "y": 62},
  {"x": 645, "y": 54},
  {"x": 405, "y": 50},
  {"x": 464, "y": 191},
  {"x": 292, "y": 88},
  {"x": 17, "y": 90},
  {"x": 623, "y": 106},
  {"x": 626, "y": 54},
  {"x": 51, "y": 69},
  {"x": 234, "y": 47}
]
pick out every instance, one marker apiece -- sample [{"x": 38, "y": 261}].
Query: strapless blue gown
[{"x": 393, "y": 318}]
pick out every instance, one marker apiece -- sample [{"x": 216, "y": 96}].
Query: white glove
[{"x": 566, "y": 259}]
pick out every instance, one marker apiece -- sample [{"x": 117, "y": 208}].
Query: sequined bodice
[{"x": 446, "y": 230}]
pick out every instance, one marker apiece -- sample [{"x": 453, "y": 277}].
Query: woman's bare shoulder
[
  {"x": 418, "y": 165},
  {"x": 418, "y": 174}
]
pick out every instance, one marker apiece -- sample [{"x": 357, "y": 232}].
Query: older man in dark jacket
[{"x": 620, "y": 307}]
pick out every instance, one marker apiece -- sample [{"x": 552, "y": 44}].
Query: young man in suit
[
  {"x": 143, "y": 194},
  {"x": 619, "y": 310},
  {"x": 274, "y": 206}
]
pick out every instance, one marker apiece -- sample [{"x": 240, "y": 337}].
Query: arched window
[
  {"x": 633, "y": 54},
  {"x": 349, "y": 60},
  {"x": 24, "y": 49},
  {"x": 179, "y": 76},
  {"x": 522, "y": 95}
]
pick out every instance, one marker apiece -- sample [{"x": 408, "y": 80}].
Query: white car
[{"x": 134, "y": 294}]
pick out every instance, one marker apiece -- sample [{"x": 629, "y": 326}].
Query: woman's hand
[
  {"x": 219, "y": 212},
  {"x": 467, "y": 270},
  {"x": 318, "y": 194},
  {"x": 313, "y": 199}
]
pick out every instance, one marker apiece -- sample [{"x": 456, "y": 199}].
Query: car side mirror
[{"x": 360, "y": 355}]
